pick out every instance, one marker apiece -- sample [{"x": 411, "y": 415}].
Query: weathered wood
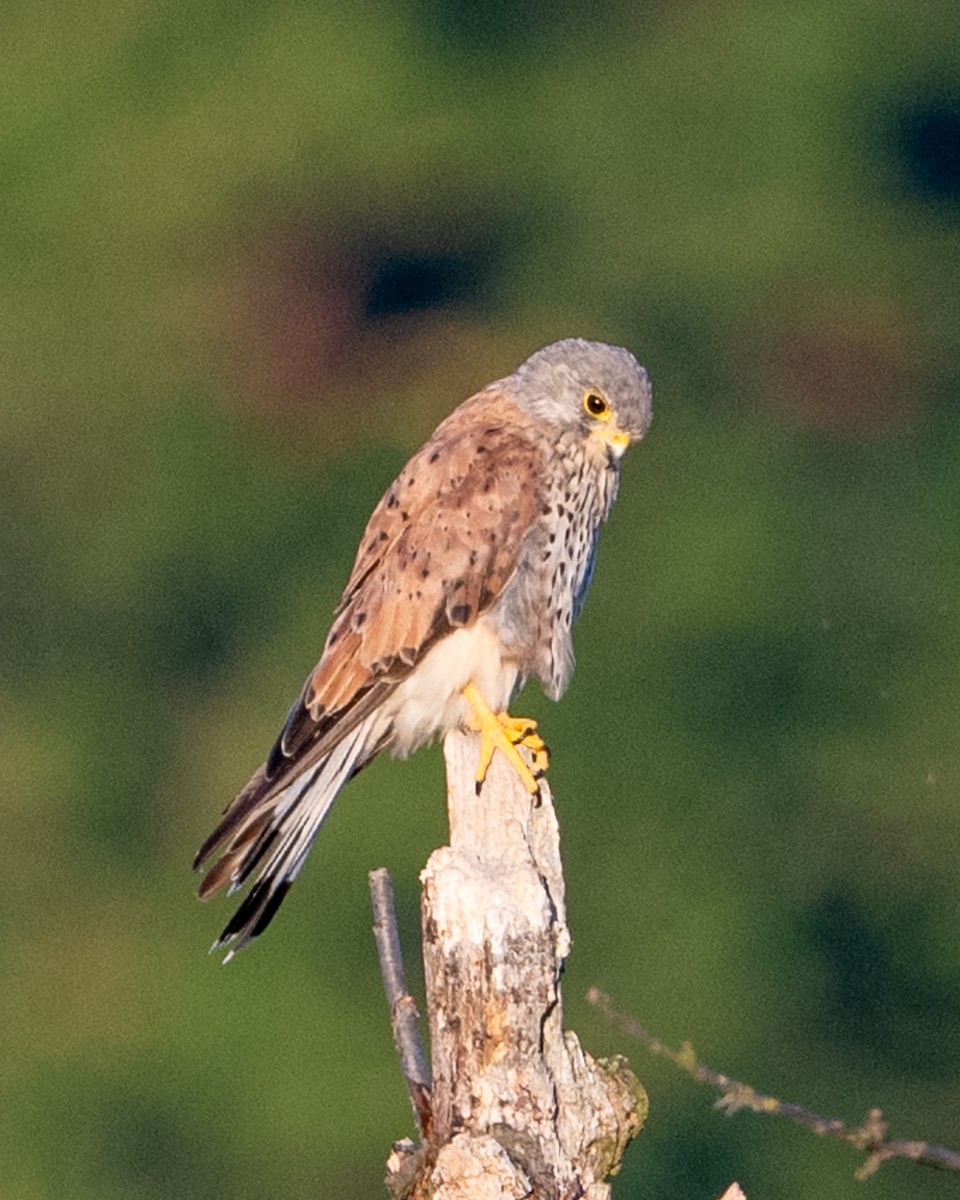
[
  {"x": 404, "y": 1018},
  {"x": 519, "y": 1109}
]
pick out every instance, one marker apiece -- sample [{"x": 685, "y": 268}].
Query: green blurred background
[{"x": 249, "y": 255}]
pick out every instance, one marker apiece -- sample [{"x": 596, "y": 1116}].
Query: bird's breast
[{"x": 535, "y": 613}]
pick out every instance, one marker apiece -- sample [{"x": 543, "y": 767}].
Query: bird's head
[{"x": 598, "y": 390}]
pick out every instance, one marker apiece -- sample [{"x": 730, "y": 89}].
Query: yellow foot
[
  {"x": 522, "y": 731},
  {"x": 500, "y": 731}
]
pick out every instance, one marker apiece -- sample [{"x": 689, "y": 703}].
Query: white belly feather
[{"x": 430, "y": 700}]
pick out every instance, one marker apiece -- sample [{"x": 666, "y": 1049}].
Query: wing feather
[{"x": 437, "y": 552}]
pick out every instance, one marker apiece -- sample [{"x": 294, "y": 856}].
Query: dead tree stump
[{"x": 518, "y": 1108}]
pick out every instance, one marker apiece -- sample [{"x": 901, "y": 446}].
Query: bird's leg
[{"x": 500, "y": 731}]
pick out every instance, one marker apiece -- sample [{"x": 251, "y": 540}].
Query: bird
[{"x": 467, "y": 581}]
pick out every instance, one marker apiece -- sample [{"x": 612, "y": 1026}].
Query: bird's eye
[{"x": 596, "y": 405}]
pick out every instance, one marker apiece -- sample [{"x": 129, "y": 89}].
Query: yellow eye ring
[{"x": 596, "y": 405}]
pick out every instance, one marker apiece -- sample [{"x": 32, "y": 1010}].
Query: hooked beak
[{"x": 614, "y": 439}]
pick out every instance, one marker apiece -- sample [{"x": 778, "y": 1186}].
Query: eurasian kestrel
[{"x": 468, "y": 579}]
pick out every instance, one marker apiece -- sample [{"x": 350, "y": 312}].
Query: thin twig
[
  {"x": 870, "y": 1137},
  {"x": 404, "y": 1017}
]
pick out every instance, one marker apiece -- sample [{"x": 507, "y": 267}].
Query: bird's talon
[
  {"x": 500, "y": 731},
  {"x": 517, "y": 729},
  {"x": 487, "y": 747}
]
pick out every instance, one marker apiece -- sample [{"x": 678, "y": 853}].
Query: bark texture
[{"x": 518, "y": 1108}]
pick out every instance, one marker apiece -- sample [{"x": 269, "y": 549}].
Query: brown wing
[{"x": 436, "y": 553}]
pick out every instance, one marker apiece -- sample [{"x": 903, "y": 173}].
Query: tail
[{"x": 273, "y": 831}]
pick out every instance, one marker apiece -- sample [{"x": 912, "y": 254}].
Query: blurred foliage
[{"x": 249, "y": 254}]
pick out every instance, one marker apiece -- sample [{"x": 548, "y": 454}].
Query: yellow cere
[{"x": 613, "y": 438}]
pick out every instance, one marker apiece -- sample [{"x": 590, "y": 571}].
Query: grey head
[{"x": 588, "y": 386}]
